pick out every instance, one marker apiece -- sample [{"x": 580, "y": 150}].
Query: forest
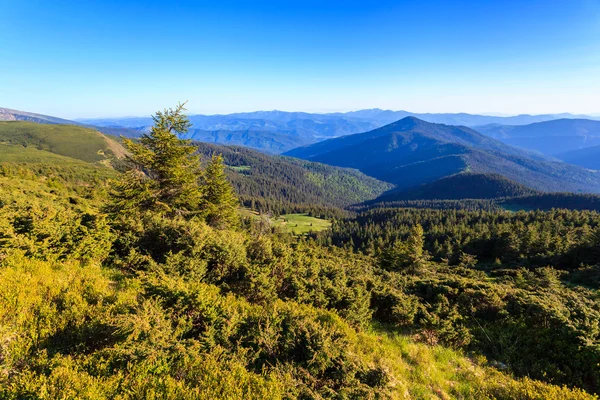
[{"x": 143, "y": 282}]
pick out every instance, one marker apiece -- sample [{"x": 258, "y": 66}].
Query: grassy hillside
[
  {"x": 296, "y": 224},
  {"x": 67, "y": 140},
  {"x": 16, "y": 153}
]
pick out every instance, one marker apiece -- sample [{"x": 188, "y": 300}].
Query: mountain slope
[
  {"x": 411, "y": 152},
  {"x": 7, "y": 114},
  {"x": 462, "y": 186},
  {"x": 588, "y": 157},
  {"x": 266, "y": 141},
  {"x": 259, "y": 177},
  {"x": 66, "y": 140},
  {"x": 549, "y": 137}
]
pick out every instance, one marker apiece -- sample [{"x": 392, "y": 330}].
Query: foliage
[
  {"x": 389, "y": 304},
  {"x": 164, "y": 172},
  {"x": 220, "y": 202}
]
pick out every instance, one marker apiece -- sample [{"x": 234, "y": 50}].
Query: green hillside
[
  {"x": 274, "y": 182},
  {"x": 16, "y": 153},
  {"x": 67, "y": 140}
]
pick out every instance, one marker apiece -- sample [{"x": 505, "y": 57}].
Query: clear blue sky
[{"x": 115, "y": 58}]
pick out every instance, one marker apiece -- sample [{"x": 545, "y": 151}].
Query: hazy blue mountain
[
  {"x": 312, "y": 127},
  {"x": 7, "y": 114},
  {"x": 549, "y": 137},
  {"x": 265, "y": 141},
  {"x": 388, "y": 116},
  {"x": 588, "y": 157},
  {"x": 412, "y": 152}
]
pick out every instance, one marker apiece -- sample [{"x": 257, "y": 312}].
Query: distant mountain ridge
[
  {"x": 548, "y": 137},
  {"x": 305, "y": 128},
  {"x": 280, "y": 131},
  {"x": 7, "y": 114},
  {"x": 376, "y": 116},
  {"x": 412, "y": 152}
]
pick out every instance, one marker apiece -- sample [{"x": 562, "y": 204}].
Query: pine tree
[
  {"x": 408, "y": 255},
  {"x": 164, "y": 173},
  {"x": 220, "y": 201}
]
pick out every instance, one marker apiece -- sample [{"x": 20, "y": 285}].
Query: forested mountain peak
[{"x": 411, "y": 152}]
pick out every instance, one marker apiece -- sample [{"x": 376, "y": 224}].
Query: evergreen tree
[
  {"x": 220, "y": 202},
  {"x": 408, "y": 255},
  {"x": 163, "y": 171}
]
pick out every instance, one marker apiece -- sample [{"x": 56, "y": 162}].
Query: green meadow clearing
[{"x": 297, "y": 224}]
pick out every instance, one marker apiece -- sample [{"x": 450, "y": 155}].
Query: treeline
[
  {"x": 541, "y": 201},
  {"x": 467, "y": 204},
  {"x": 464, "y": 185},
  {"x": 547, "y": 201},
  {"x": 533, "y": 239}
]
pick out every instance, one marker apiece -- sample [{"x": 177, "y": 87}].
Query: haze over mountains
[
  {"x": 421, "y": 159},
  {"x": 548, "y": 137},
  {"x": 279, "y": 131},
  {"x": 412, "y": 152}
]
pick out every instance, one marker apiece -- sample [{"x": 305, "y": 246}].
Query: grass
[
  {"x": 19, "y": 154},
  {"x": 420, "y": 371},
  {"x": 300, "y": 224},
  {"x": 296, "y": 224},
  {"x": 240, "y": 168},
  {"x": 67, "y": 140}
]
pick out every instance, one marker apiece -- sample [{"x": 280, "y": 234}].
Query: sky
[{"x": 78, "y": 59}]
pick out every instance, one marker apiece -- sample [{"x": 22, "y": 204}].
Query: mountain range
[
  {"x": 279, "y": 131},
  {"x": 376, "y": 116},
  {"x": 276, "y": 132},
  {"x": 548, "y": 137},
  {"x": 411, "y": 152},
  {"x": 416, "y": 159}
]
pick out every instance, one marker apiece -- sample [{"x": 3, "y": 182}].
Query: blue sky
[{"x": 116, "y": 58}]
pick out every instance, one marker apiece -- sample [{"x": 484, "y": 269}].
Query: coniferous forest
[{"x": 143, "y": 281}]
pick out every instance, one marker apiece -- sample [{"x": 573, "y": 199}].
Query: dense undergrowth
[{"x": 152, "y": 303}]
